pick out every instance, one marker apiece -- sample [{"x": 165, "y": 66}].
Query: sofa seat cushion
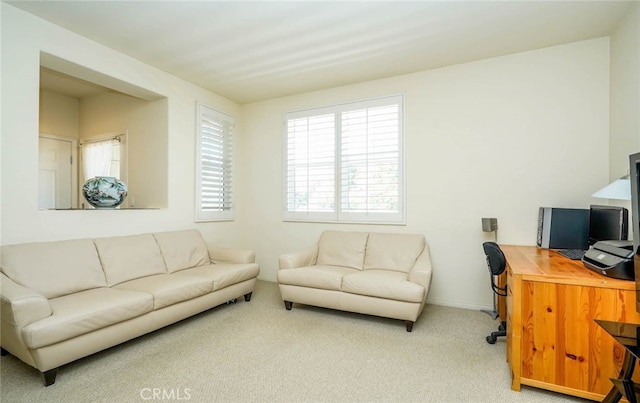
[
  {"x": 393, "y": 251},
  {"x": 169, "y": 289},
  {"x": 223, "y": 275},
  {"x": 54, "y": 269},
  {"x": 85, "y": 311},
  {"x": 386, "y": 284},
  {"x": 342, "y": 248},
  {"x": 182, "y": 249},
  {"x": 323, "y": 277}
]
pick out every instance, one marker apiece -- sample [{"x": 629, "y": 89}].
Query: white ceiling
[{"x": 254, "y": 50}]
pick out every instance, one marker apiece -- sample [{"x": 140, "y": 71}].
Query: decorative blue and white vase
[{"x": 104, "y": 191}]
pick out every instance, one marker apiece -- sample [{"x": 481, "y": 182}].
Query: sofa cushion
[
  {"x": 182, "y": 249},
  {"x": 169, "y": 289},
  {"x": 54, "y": 268},
  {"x": 323, "y": 277},
  {"x": 223, "y": 275},
  {"x": 386, "y": 284},
  {"x": 85, "y": 311},
  {"x": 126, "y": 258},
  {"x": 342, "y": 248},
  {"x": 393, "y": 251}
]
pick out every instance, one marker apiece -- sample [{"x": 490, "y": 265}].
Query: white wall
[
  {"x": 23, "y": 38},
  {"x": 625, "y": 92},
  {"x": 59, "y": 114},
  {"x": 495, "y": 138},
  {"x": 624, "y": 134},
  {"x": 498, "y": 137}
]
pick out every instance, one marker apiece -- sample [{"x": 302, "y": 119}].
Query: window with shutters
[
  {"x": 344, "y": 163},
  {"x": 214, "y": 190}
]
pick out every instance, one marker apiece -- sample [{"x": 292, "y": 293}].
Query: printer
[{"x": 611, "y": 258}]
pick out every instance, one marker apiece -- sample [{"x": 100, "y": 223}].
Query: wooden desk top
[{"x": 546, "y": 265}]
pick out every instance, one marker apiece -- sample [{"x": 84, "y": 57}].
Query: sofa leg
[
  {"x": 3, "y": 352},
  {"x": 288, "y": 305},
  {"x": 247, "y": 297},
  {"x": 409, "y": 325},
  {"x": 49, "y": 377}
]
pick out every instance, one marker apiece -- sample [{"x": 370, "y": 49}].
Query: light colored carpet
[{"x": 260, "y": 352}]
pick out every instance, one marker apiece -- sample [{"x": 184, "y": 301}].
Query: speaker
[
  {"x": 489, "y": 224},
  {"x": 563, "y": 228}
]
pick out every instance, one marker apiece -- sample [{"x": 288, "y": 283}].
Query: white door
[{"x": 55, "y": 174}]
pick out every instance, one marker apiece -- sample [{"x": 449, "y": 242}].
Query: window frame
[
  {"x": 337, "y": 215},
  {"x": 202, "y": 214}
]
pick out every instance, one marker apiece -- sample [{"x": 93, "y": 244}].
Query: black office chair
[{"x": 496, "y": 263}]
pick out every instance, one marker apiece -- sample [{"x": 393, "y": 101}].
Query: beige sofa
[
  {"x": 64, "y": 300},
  {"x": 378, "y": 274}
]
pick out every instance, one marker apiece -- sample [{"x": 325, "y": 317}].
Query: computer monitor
[{"x": 608, "y": 223}]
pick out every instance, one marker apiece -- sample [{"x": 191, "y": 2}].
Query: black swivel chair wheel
[{"x": 502, "y": 332}]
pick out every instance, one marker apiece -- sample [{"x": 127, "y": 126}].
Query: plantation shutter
[
  {"x": 215, "y": 165},
  {"x": 311, "y": 168},
  {"x": 344, "y": 163},
  {"x": 370, "y": 161}
]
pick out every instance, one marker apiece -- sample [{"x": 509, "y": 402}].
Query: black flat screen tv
[{"x": 634, "y": 177}]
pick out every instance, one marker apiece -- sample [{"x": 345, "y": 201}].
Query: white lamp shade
[{"x": 618, "y": 190}]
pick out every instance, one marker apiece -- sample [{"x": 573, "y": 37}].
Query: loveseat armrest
[
  {"x": 301, "y": 258},
  {"x": 231, "y": 255},
  {"x": 19, "y": 305},
  {"x": 422, "y": 270}
]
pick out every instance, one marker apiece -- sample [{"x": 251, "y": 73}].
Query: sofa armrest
[
  {"x": 422, "y": 270},
  {"x": 231, "y": 255},
  {"x": 20, "y": 305},
  {"x": 301, "y": 258}
]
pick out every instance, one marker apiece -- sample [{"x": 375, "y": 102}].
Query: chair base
[
  {"x": 494, "y": 315},
  {"x": 501, "y": 332}
]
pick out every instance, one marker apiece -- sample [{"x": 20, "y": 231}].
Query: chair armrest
[
  {"x": 302, "y": 258},
  {"x": 231, "y": 255},
  {"x": 20, "y": 305},
  {"x": 421, "y": 271}
]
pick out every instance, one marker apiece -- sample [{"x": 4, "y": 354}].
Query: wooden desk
[{"x": 553, "y": 341}]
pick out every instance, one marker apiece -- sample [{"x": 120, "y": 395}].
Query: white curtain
[{"x": 96, "y": 158}]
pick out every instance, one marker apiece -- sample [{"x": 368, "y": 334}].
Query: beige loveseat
[
  {"x": 64, "y": 300},
  {"x": 378, "y": 274}
]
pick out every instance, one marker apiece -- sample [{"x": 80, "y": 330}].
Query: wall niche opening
[{"x": 81, "y": 107}]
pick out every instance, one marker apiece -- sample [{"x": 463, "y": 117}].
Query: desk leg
[{"x": 626, "y": 372}]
